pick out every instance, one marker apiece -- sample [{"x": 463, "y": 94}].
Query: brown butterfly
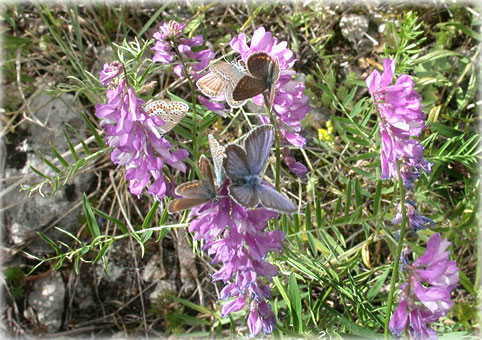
[
  {"x": 195, "y": 192},
  {"x": 264, "y": 73},
  {"x": 223, "y": 76}
]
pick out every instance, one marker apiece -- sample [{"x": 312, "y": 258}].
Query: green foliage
[
  {"x": 337, "y": 261},
  {"x": 15, "y": 279}
]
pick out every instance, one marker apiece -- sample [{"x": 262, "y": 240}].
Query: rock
[
  {"x": 187, "y": 262},
  {"x": 29, "y": 214},
  {"x": 153, "y": 270},
  {"x": 163, "y": 287},
  {"x": 113, "y": 271},
  {"x": 83, "y": 294},
  {"x": 47, "y": 302},
  {"x": 353, "y": 28}
]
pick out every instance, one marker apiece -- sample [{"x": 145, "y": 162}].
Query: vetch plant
[
  {"x": 399, "y": 118},
  {"x": 290, "y": 104},
  {"x": 135, "y": 138},
  {"x": 346, "y": 251},
  {"x": 425, "y": 295}
]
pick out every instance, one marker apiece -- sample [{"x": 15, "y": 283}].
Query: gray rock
[
  {"x": 353, "y": 28},
  {"x": 163, "y": 287},
  {"x": 26, "y": 215},
  {"x": 113, "y": 271},
  {"x": 47, "y": 301},
  {"x": 153, "y": 270}
]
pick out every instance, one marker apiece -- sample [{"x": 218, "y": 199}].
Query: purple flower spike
[
  {"x": 169, "y": 35},
  {"x": 236, "y": 237},
  {"x": 136, "y": 141},
  {"x": 426, "y": 296},
  {"x": 290, "y": 105},
  {"x": 415, "y": 221},
  {"x": 400, "y": 118},
  {"x": 109, "y": 72},
  {"x": 295, "y": 167}
]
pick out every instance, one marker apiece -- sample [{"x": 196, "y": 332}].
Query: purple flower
[
  {"x": 217, "y": 108},
  {"x": 426, "y": 296},
  {"x": 290, "y": 105},
  {"x": 136, "y": 141},
  {"x": 295, "y": 167},
  {"x": 169, "y": 35},
  {"x": 415, "y": 221},
  {"x": 400, "y": 118},
  {"x": 109, "y": 72},
  {"x": 235, "y": 237}
]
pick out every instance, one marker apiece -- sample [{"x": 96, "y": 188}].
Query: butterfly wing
[
  {"x": 217, "y": 153},
  {"x": 228, "y": 94},
  {"x": 175, "y": 111},
  {"x": 258, "y": 146},
  {"x": 228, "y": 72},
  {"x": 244, "y": 195},
  {"x": 273, "y": 200},
  {"x": 236, "y": 162},
  {"x": 208, "y": 177},
  {"x": 155, "y": 107},
  {"x": 193, "y": 189},
  {"x": 248, "y": 87},
  {"x": 259, "y": 64},
  {"x": 179, "y": 204},
  {"x": 272, "y": 80},
  {"x": 211, "y": 85}
]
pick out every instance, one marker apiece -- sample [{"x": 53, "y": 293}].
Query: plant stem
[
  {"x": 276, "y": 143},
  {"x": 396, "y": 264},
  {"x": 195, "y": 146}
]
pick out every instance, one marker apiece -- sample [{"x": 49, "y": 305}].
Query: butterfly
[
  {"x": 244, "y": 165},
  {"x": 171, "y": 112},
  {"x": 264, "y": 73},
  {"x": 217, "y": 153},
  {"x": 223, "y": 76},
  {"x": 195, "y": 192}
]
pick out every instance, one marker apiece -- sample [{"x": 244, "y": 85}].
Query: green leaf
[
  {"x": 53, "y": 167},
  {"x": 59, "y": 156},
  {"x": 378, "y": 197},
  {"x": 84, "y": 146},
  {"x": 464, "y": 29},
  {"x": 102, "y": 250},
  {"x": 378, "y": 284},
  {"x": 117, "y": 222},
  {"x": 152, "y": 19},
  {"x": 444, "y": 130},
  {"x": 93, "y": 130},
  {"x": 90, "y": 217},
  {"x": 150, "y": 215},
  {"x": 193, "y": 306},
  {"x": 347, "y": 198},
  {"x": 193, "y": 25},
  {"x": 295, "y": 301},
  {"x": 71, "y": 147},
  {"x": 434, "y": 55},
  {"x": 50, "y": 242}
]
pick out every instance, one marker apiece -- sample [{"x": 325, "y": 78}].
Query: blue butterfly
[{"x": 243, "y": 167}]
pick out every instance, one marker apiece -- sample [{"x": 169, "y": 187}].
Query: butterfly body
[
  {"x": 217, "y": 154},
  {"x": 263, "y": 74},
  {"x": 195, "y": 192},
  {"x": 244, "y": 166},
  {"x": 251, "y": 181}
]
